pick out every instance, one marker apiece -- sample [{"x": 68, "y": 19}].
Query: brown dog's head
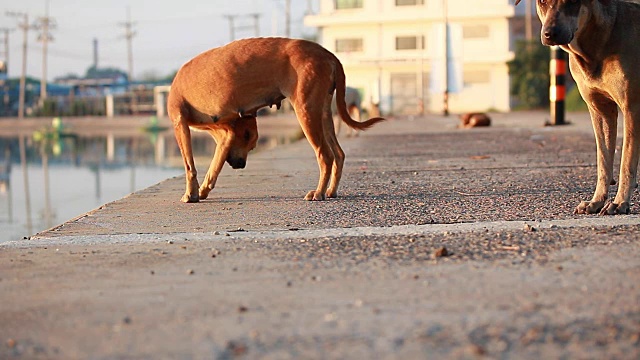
[
  {"x": 562, "y": 19},
  {"x": 244, "y": 132}
]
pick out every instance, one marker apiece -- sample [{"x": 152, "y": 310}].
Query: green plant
[
  {"x": 529, "y": 72},
  {"x": 574, "y": 101}
]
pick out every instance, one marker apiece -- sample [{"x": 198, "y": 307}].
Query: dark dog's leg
[
  {"x": 356, "y": 114},
  {"x": 183, "y": 137},
  {"x": 338, "y": 153},
  {"x": 223, "y": 144},
  {"x": 604, "y": 113},
  {"x": 337, "y": 122},
  {"x": 628, "y": 165}
]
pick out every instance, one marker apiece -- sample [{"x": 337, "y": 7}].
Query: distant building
[
  {"x": 393, "y": 52},
  {"x": 97, "y": 82}
]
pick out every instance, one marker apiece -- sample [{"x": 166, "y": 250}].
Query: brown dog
[
  {"x": 221, "y": 90},
  {"x": 471, "y": 120},
  {"x": 601, "y": 37}
]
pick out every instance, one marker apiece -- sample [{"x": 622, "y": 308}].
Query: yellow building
[{"x": 393, "y": 52}]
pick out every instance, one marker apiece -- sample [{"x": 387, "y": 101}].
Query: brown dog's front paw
[
  {"x": 203, "y": 194},
  {"x": 332, "y": 194},
  {"x": 186, "y": 198},
  {"x": 314, "y": 196},
  {"x": 589, "y": 207},
  {"x": 612, "y": 208}
]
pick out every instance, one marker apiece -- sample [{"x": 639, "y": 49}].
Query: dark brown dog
[
  {"x": 602, "y": 37},
  {"x": 470, "y": 120},
  {"x": 354, "y": 108},
  {"x": 221, "y": 90}
]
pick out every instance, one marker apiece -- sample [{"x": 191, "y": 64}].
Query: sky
[{"x": 167, "y": 33}]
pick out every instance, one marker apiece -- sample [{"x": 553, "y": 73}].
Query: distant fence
[
  {"x": 141, "y": 101},
  {"x": 138, "y": 101}
]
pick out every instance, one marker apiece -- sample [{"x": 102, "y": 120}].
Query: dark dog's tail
[{"x": 341, "y": 104}]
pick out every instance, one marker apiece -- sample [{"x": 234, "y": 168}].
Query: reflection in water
[
  {"x": 65, "y": 175},
  {"x": 5, "y": 183}
]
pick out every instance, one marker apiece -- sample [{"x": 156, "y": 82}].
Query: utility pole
[
  {"x": 21, "y": 141},
  {"x": 232, "y": 27},
  {"x": 528, "y": 31},
  {"x": 287, "y": 12},
  {"x": 445, "y": 109},
  {"x": 95, "y": 53},
  {"x": 287, "y": 16},
  {"x": 129, "y": 33},
  {"x": 3, "y": 82},
  {"x": 25, "y": 30},
  {"x": 256, "y": 24},
  {"x": 5, "y": 53},
  {"x": 309, "y": 7},
  {"x": 45, "y": 25}
]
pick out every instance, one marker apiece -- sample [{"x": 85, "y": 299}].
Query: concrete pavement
[{"x": 444, "y": 243}]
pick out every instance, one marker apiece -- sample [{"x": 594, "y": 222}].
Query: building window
[
  {"x": 348, "y": 45},
  {"x": 348, "y": 4},
  {"x": 476, "y": 77},
  {"x": 409, "y": 2},
  {"x": 475, "y": 31},
  {"x": 409, "y": 42}
]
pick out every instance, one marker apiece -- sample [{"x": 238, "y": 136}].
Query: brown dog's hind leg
[
  {"x": 183, "y": 137},
  {"x": 338, "y": 153},
  {"x": 311, "y": 122}
]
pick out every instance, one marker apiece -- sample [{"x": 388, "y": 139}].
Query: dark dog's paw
[
  {"x": 314, "y": 196},
  {"x": 612, "y": 208}
]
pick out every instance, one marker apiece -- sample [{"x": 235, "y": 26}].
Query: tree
[
  {"x": 96, "y": 73},
  {"x": 150, "y": 76},
  {"x": 530, "y": 74}
]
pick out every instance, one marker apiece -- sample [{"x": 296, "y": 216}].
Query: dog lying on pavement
[
  {"x": 221, "y": 90},
  {"x": 470, "y": 120},
  {"x": 601, "y": 37}
]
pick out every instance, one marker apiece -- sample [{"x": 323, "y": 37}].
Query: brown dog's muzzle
[{"x": 237, "y": 163}]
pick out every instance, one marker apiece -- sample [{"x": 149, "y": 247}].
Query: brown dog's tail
[{"x": 341, "y": 104}]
